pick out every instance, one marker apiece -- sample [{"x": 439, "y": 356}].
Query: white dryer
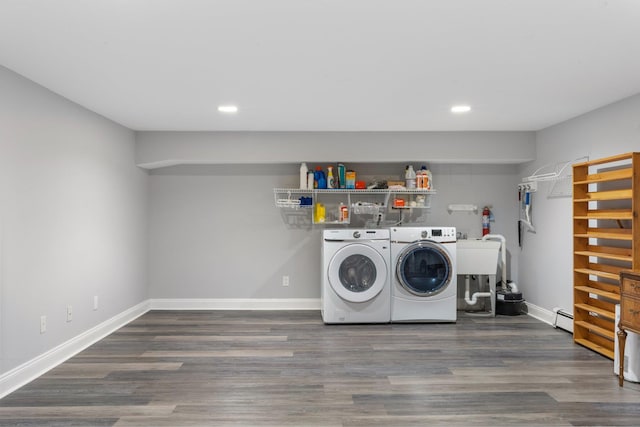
[
  {"x": 424, "y": 285},
  {"x": 355, "y": 276}
]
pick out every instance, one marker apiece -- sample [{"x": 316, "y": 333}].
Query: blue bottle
[{"x": 321, "y": 181}]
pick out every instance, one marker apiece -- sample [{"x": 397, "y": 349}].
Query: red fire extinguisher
[{"x": 486, "y": 213}]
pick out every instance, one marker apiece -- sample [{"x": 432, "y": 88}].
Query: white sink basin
[{"x": 477, "y": 256}]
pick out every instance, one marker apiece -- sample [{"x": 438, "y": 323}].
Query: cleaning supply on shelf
[
  {"x": 343, "y": 213},
  {"x": 342, "y": 179},
  {"x": 330, "y": 180},
  {"x": 422, "y": 179},
  {"x": 398, "y": 203},
  {"x": 310, "y": 180},
  {"x": 410, "y": 178},
  {"x": 304, "y": 170},
  {"x": 351, "y": 179},
  {"x": 320, "y": 179},
  {"x": 319, "y": 214}
]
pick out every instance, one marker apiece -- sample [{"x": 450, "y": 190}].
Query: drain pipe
[
  {"x": 503, "y": 250},
  {"x": 473, "y": 300}
]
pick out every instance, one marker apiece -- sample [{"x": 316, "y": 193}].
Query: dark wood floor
[{"x": 244, "y": 368}]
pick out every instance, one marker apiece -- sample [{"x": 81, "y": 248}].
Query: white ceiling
[{"x": 328, "y": 65}]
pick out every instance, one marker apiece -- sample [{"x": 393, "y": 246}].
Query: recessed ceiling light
[
  {"x": 228, "y": 109},
  {"x": 460, "y": 109}
]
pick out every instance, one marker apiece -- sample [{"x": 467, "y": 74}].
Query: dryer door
[
  {"x": 424, "y": 268},
  {"x": 357, "y": 273}
]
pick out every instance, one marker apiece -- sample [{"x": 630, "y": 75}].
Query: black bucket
[{"x": 508, "y": 303}]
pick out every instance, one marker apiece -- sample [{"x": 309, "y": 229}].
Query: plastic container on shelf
[
  {"x": 428, "y": 181},
  {"x": 422, "y": 180},
  {"x": 319, "y": 214},
  {"x": 330, "y": 180},
  {"x": 310, "y": 180},
  {"x": 410, "y": 178},
  {"x": 343, "y": 214},
  {"x": 320, "y": 179},
  {"x": 351, "y": 179},
  {"x": 342, "y": 176},
  {"x": 304, "y": 170}
]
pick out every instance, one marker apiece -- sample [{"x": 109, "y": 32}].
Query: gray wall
[
  {"x": 73, "y": 219},
  {"x": 216, "y": 233},
  {"x": 546, "y": 260}
]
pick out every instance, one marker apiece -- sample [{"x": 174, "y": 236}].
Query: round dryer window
[
  {"x": 424, "y": 268},
  {"x": 357, "y": 273}
]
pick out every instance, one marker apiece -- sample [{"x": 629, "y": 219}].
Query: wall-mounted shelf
[
  {"x": 462, "y": 208},
  {"x": 376, "y": 201},
  {"x": 559, "y": 174}
]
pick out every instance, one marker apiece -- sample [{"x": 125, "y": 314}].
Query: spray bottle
[{"x": 330, "y": 179}]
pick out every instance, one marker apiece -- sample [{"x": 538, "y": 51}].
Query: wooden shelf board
[
  {"x": 595, "y": 347},
  {"x": 601, "y": 312},
  {"x": 611, "y": 159},
  {"x": 610, "y": 295},
  {"x": 607, "y": 214},
  {"x": 597, "y": 273},
  {"x": 607, "y": 195},
  {"x": 603, "y": 235},
  {"x": 605, "y": 255},
  {"x": 597, "y": 329},
  {"x": 614, "y": 175}
]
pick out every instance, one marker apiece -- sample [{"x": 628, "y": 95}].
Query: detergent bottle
[
  {"x": 410, "y": 178},
  {"x": 330, "y": 179},
  {"x": 321, "y": 181}
]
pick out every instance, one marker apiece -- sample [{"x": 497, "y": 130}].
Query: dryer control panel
[
  {"x": 412, "y": 234},
  {"x": 439, "y": 233}
]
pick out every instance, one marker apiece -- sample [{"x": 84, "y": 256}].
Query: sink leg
[{"x": 492, "y": 290}]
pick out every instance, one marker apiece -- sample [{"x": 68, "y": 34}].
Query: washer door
[
  {"x": 424, "y": 268},
  {"x": 357, "y": 273}
]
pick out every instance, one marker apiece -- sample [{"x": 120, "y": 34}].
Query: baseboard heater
[{"x": 563, "y": 319}]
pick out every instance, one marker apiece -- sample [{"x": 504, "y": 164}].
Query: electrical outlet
[
  {"x": 285, "y": 280},
  {"x": 43, "y": 324},
  {"x": 95, "y": 302},
  {"x": 69, "y": 313}
]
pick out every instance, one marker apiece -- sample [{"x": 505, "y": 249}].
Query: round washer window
[
  {"x": 424, "y": 269},
  {"x": 357, "y": 273}
]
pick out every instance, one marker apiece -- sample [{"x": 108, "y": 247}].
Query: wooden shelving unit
[{"x": 606, "y": 240}]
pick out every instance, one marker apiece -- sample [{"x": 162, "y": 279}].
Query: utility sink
[{"x": 475, "y": 256}]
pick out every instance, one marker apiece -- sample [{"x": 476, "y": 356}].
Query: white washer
[
  {"x": 424, "y": 285},
  {"x": 355, "y": 276}
]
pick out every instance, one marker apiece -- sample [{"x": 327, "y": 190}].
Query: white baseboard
[
  {"x": 235, "y": 304},
  {"x": 27, "y": 372},
  {"x": 549, "y": 317}
]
